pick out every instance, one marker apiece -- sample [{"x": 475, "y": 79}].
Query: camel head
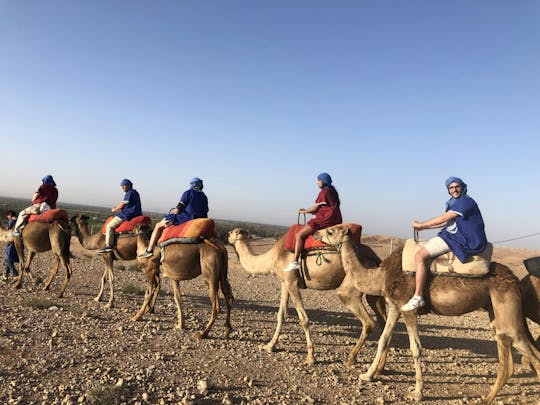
[
  {"x": 237, "y": 234},
  {"x": 78, "y": 220},
  {"x": 332, "y": 236}
]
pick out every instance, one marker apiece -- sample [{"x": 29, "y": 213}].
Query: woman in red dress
[{"x": 325, "y": 212}]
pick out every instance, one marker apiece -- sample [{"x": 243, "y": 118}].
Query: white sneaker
[
  {"x": 414, "y": 302},
  {"x": 292, "y": 266}
]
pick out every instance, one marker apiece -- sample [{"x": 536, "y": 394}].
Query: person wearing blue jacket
[
  {"x": 10, "y": 256},
  {"x": 129, "y": 208},
  {"x": 463, "y": 234},
  {"x": 193, "y": 204}
]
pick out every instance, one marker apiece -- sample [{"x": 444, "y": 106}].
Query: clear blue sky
[{"x": 258, "y": 97}]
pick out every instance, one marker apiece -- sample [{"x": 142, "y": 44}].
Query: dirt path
[{"x": 78, "y": 352}]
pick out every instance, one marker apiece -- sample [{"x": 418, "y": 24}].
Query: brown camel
[
  {"x": 186, "y": 261},
  {"x": 125, "y": 249},
  {"x": 498, "y": 293},
  {"x": 328, "y": 275},
  {"x": 40, "y": 237}
]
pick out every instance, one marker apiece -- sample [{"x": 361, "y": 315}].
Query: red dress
[{"x": 329, "y": 213}]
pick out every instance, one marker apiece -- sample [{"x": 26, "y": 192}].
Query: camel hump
[
  {"x": 448, "y": 263},
  {"x": 311, "y": 244},
  {"x": 198, "y": 228},
  {"x": 54, "y": 215},
  {"x": 127, "y": 226}
]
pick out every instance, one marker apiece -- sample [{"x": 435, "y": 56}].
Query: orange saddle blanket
[
  {"x": 54, "y": 215},
  {"x": 311, "y": 243},
  {"x": 196, "y": 228},
  {"x": 127, "y": 226}
]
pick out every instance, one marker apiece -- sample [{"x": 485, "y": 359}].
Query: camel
[
  {"x": 125, "y": 249},
  {"x": 328, "y": 275},
  {"x": 186, "y": 261},
  {"x": 498, "y": 293},
  {"x": 38, "y": 237}
]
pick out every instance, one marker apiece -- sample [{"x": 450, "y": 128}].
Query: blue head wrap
[
  {"x": 48, "y": 179},
  {"x": 325, "y": 179},
  {"x": 195, "y": 182},
  {"x": 451, "y": 180},
  {"x": 126, "y": 182}
]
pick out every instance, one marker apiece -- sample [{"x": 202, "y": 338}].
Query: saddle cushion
[
  {"x": 127, "y": 226},
  {"x": 196, "y": 228},
  {"x": 448, "y": 263},
  {"x": 311, "y": 243},
  {"x": 54, "y": 215}
]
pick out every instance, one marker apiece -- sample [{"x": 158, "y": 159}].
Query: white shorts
[{"x": 436, "y": 246}]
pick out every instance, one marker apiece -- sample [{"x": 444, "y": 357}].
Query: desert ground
[{"x": 73, "y": 350}]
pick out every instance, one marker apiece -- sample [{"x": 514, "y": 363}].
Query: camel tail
[{"x": 224, "y": 284}]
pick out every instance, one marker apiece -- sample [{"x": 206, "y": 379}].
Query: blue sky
[{"x": 258, "y": 97}]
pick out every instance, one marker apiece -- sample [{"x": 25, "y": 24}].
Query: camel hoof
[
  {"x": 228, "y": 331},
  {"x": 200, "y": 335},
  {"x": 97, "y": 299},
  {"x": 310, "y": 360},
  {"x": 365, "y": 377},
  {"x": 267, "y": 348},
  {"x": 108, "y": 305},
  {"x": 415, "y": 396},
  {"x": 350, "y": 363}
]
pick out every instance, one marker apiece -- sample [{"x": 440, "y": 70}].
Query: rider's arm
[{"x": 436, "y": 222}]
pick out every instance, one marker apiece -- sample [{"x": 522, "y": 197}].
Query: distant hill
[{"x": 98, "y": 215}]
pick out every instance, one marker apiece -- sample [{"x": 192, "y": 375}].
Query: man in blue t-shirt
[
  {"x": 129, "y": 207},
  {"x": 463, "y": 234},
  {"x": 193, "y": 204}
]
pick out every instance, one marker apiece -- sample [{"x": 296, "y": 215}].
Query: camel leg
[
  {"x": 229, "y": 300},
  {"x": 303, "y": 320},
  {"x": 377, "y": 304},
  {"x": 157, "y": 287},
  {"x": 213, "y": 294},
  {"x": 176, "y": 294},
  {"x": 384, "y": 341},
  {"x": 69, "y": 271},
  {"x": 505, "y": 368},
  {"x": 24, "y": 269},
  {"x": 110, "y": 276},
  {"x": 54, "y": 271},
  {"x": 416, "y": 351},
  {"x": 150, "y": 296},
  {"x": 352, "y": 299},
  {"x": 284, "y": 298},
  {"x": 103, "y": 279}
]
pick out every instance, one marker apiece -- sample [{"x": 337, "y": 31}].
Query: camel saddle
[
  {"x": 532, "y": 265},
  {"x": 127, "y": 226},
  {"x": 312, "y": 244},
  {"x": 193, "y": 231},
  {"x": 448, "y": 263},
  {"x": 54, "y": 215}
]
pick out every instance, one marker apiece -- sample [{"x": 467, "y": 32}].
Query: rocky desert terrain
[{"x": 72, "y": 350}]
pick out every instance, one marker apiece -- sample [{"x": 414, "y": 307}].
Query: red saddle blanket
[
  {"x": 196, "y": 228},
  {"x": 57, "y": 214},
  {"x": 127, "y": 226},
  {"x": 311, "y": 243}
]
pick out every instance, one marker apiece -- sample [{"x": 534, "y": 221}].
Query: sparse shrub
[
  {"x": 37, "y": 303},
  {"x": 119, "y": 266},
  {"x": 106, "y": 395},
  {"x": 132, "y": 289}
]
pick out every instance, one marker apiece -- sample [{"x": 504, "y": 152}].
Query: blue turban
[
  {"x": 325, "y": 179},
  {"x": 451, "y": 180},
  {"x": 126, "y": 182},
  {"x": 195, "y": 182},
  {"x": 48, "y": 179}
]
